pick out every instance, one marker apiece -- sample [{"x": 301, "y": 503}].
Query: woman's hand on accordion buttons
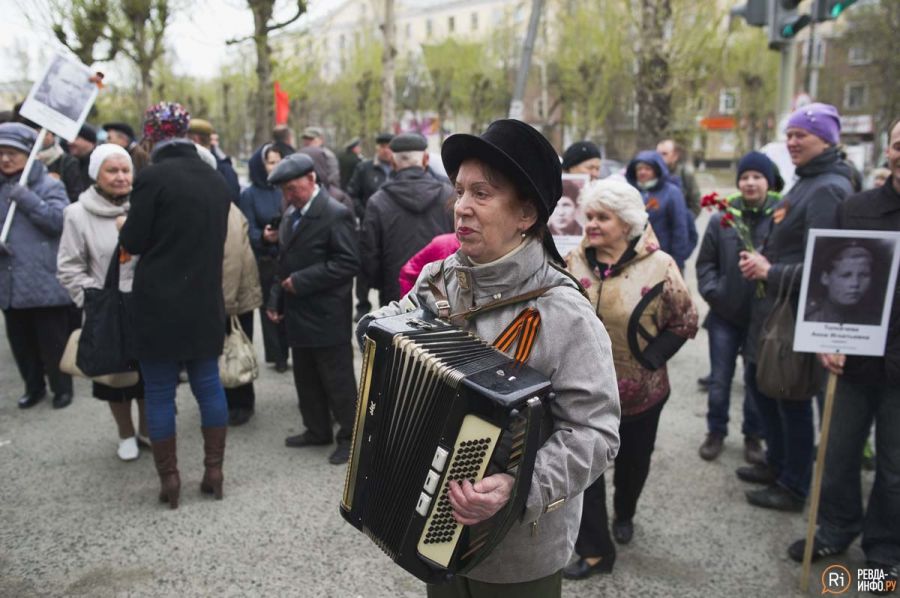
[{"x": 474, "y": 503}]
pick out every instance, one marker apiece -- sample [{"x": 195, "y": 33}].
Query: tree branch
[{"x": 301, "y": 8}]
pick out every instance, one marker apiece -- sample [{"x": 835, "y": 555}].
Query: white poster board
[
  {"x": 62, "y": 97},
  {"x": 566, "y": 223},
  {"x": 849, "y": 277}
]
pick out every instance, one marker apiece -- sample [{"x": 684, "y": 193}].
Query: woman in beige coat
[
  {"x": 240, "y": 284},
  {"x": 86, "y": 248}
]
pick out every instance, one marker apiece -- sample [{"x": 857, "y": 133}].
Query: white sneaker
[{"x": 128, "y": 449}]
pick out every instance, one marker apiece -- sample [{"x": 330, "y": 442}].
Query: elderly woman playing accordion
[{"x": 507, "y": 182}]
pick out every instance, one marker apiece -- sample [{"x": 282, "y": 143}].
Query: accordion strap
[{"x": 522, "y": 331}]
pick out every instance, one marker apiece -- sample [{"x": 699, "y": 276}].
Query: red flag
[{"x": 281, "y": 105}]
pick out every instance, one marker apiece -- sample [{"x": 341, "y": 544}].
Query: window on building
[
  {"x": 855, "y": 96},
  {"x": 474, "y": 21},
  {"x": 451, "y": 24},
  {"x": 429, "y": 28},
  {"x": 728, "y": 100},
  {"x": 858, "y": 55},
  {"x": 818, "y": 52}
]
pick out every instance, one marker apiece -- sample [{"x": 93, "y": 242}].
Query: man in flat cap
[
  {"x": 315, "y": 137},
  {"x": 201, "y": 132},
  {"x": 368, "y": 177},
  {"x": 317, "y": 260},
  {"x": 123, "y": 135},
  {"x": 403, "y": 216}
]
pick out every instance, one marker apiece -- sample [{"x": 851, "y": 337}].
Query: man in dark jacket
[
  {"x": 673, "y": 154},
  {"x": 368, "y": 177},
  {"x": 670, "y": 219},
  {"x": 813, "y": 134},
  {"x": 868, "y": 390},
  {"x": 317, "y": 260},
  {"x": 730, "y": 295},
  {"x": 123, "y": 135},
  {"x": 201, "y": 132},
  {"x": 348, "y": 159},
  {"x": 81, "y": 148},
  {"x": 403, "y": 216}
]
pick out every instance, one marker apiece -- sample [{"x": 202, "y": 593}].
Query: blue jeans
[
  {"x": 160, "y": 380},
  {"x": 841, "y": 516},
  {"x": 789, "y": 435},
  {"x": 725, "y": 342}
]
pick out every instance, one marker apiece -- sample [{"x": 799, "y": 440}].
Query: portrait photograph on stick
[
  {"x": 62, "y": 97},
  {"x": 847, "y": 278}
]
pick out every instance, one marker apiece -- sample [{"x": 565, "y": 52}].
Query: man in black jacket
[
  {"x": 403, "y": 216},
  {"x": 317, "y": 260},
  {"x": 367, "y": 178},
  {"x": 868, "y": 390}
]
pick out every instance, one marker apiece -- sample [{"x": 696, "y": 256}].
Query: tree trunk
[
  {"x": 263, "y": 113},
  {"x": 654, "y": 93},
  {"x": 388, "y": 59}
]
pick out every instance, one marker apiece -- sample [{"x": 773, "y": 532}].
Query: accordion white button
[
  {"x": 423, "y": 504},
  {"x": 431, "y": 481},
  {"x": 440, "y": 459}
]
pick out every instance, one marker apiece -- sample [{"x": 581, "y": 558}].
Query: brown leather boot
[
  {"x": 214, "y": 449},
  {"x": 167, "y": 467}
]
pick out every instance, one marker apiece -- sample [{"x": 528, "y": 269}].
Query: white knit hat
[{"x": 101, "y": 153}]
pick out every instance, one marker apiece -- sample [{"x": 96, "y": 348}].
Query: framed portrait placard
[
  {"x": 566, "y": 223},
  {"x": 62, "y": 97},
  {"x": 849, "y": 279}
]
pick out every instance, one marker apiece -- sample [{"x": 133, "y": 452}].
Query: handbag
[
  {"x": 106, "y": 345},
  {"x": 68, "y": 365},
  {"x": 782, "y": 373},
  {"x": 237, "y": 364}
]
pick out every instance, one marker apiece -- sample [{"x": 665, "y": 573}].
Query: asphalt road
[{"x": 76, "y": 521}]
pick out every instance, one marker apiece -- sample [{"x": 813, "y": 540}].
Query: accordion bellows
[{"x": 436, "y": 404}]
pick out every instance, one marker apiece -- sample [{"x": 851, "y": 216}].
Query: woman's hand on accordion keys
[{"x": 474, "y": 503}]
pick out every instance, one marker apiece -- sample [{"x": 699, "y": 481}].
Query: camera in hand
[{"x": 275, "y": 222}]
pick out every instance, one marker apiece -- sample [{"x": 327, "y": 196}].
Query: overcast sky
[{"x": 197, "y": 35}]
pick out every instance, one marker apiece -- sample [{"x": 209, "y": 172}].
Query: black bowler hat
[{"x": 521, "y": 153}]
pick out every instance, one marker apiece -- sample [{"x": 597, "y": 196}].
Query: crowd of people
[{"x": 164, "y": 215}]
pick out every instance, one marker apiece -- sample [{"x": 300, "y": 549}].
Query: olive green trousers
[{"x": 462, "y": 587}]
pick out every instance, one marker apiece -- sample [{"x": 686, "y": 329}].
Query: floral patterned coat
[{"x": 646, "y": 307}]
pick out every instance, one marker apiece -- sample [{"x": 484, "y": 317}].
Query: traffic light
[
  {"x": 755, "y": 12},
  {"x": 826, "y": 10},
  {"x": 785, "y": 22}
]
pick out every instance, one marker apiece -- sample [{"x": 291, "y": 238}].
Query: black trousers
[
  {"x": 242, "y": 397},
  {"x": 326, "y": 388},
  {"x": 37, "y": 337},
  {"x": 637, "y": 438},
  {"x": 274, "y": 335}
]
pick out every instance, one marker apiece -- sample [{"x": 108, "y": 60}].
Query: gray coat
[
  {"x": 573, "y": 350},
  {"x": 28, "y": 277}
]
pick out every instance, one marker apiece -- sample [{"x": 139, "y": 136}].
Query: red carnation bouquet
[{"x": 732, "y": 219}]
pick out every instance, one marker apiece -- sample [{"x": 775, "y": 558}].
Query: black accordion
[{"x": 436, "y": 404}]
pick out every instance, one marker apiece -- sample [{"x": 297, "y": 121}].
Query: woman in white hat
[{"x": 86, "y": 249}]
